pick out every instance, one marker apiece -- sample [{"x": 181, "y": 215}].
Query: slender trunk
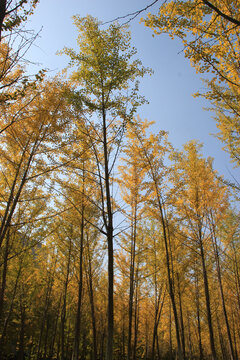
[
  {"x": 146, "y": 338},
  {"x": 4, "y": 274},
  {"x": 157, "y": 298},
  {"x": 158, "y": 348},
  {"x": 236, "y": 274},
  {"x": 173, "y": 301},
  {"x": 45, "y": 310},
  {"x": 91, "y": 297},
  {"x": 103, "y": 333},
  {"x": 166, "y": 238},
  {"x": 5, "y": 325},
  {"x": 131, "y": 285},
  {"x": 170, "y": 331},
  {"x": 55, "y": 329},
  {"x": 158, "y": 312},
  {"x": 155, "y": 326},
  {"x": 221, "y": 341},
  {"x": 198, "y": 317},
  {"x": 234, "y": 336},
  {"x": 189, "y": 338},
  {"x": 80, "y": 281},
  {"x": 207, "y": 299},
  {"x": 181, "y": 316},
  {"x": 63, "y": 314},
  {"x": 22, "y": 330},
  {"x": 46, "y": 340},
  {"x": 123, "y": 334},
  {"x": 136, "y": 317},
  {"x": 219, "y": 274},
  {"x": 109, "y": 230}
]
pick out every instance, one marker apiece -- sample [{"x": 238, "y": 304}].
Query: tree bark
[
  {"x": 4, "y": 274},
  {"x": 63, "y": 314},
  {"x": 207, "y": 299},
  {"x": 109, "y": 230},
  {"x": 3, "y": 4},
  {"x": 80, "y": 281},
  {"x": 132, "y": 277},
  {"x": 91, "y": 297}
]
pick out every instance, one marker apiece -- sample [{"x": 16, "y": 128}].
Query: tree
[
  {"x": 133, "y": 191},
  {"x": 199, "y": 194},
  {"x": 152, "y": 151},
  {"x": 25, "y": 145},
  {"x": 13, "y": 13},
  {"x": 13, "y": 48},
  {"x": 103, "y": 77},
  {"x": 210, "y": 34}
]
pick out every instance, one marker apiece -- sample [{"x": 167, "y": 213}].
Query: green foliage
[{"x": 104, "y": 70}]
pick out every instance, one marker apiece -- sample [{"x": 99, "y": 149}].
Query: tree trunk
[
  {"x": 4, "y": 274},
  {"x": 3, "y": 4},
  {"x": 208, "y": 306},
  {"x": 91, "y": 297},
  {"x": 22, "y": 330},
  {"x": 217, "y": 260},
  {"x": 63, "y": 314},
  {"x": 80, "y": 281},
  {"x": 189, "y": 338},
  {"x": 109, "y": 230},
  {"x": 181, "y": 316},
  {"x": 136, "y": 317},
  {"x": 158, "y": 312},
  {"x": 55, "y": 329},
  {"x": 166, "y": 238},
  {"x": 131, "y": 285},
  {"x": 6, "y": 321},
  {"x": 198, "y": 317},
  {"x": 45, "y": 310}
]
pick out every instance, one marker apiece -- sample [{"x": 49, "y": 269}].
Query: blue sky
[{"x": 169, "y": 90}]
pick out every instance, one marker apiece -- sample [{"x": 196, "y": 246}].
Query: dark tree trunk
[
  {"x": 158, "y": 312},
  {"x": 207, "y": 299},
  {"x": 91, "y": 297},
  {"x": 181, "y": 317},
  {"x": 131, "y": 285},
  {"x": 198, "y": 318},
  {"x": 80, "y": 281},
  {"x": 109, "y": 231},
  {"x": 6, "y": 321},
  {"x": 55, "y": 329},
  {"x": 63, "y": 314},
  {"x": 3, "y": 4},
  {"x": 45, "y": 310},
  {"x": 136, "y": 317},
  {"x": 22, "y": 330},
  {"x": 4, "y": 274}
]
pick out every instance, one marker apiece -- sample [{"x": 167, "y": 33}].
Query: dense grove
[{"x": 113, "y": 244}]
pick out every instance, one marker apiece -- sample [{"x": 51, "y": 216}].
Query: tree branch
[
  {"x": 219, "y": 12},
  {"x": 133, "y": 15}
]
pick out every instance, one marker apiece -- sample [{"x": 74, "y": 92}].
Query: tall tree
[
  {"x": 210, "y": 32},
  {"x": 198, "y": 194},
  {"x": 133, "y": 191},
  {"x": 152, "y": 151},
  {"x": 103, "y": 76}
]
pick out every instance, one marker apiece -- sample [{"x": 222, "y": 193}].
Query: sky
[{"x": 169, "y": 90}]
